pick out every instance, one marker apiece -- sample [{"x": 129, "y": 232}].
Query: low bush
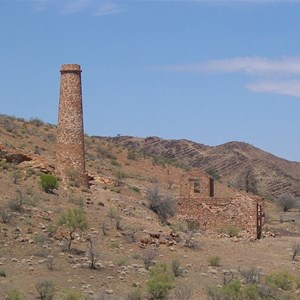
[
  {"x": 72, "y": 295},
  {"x": 163, "y": 206},
  {"x": 231, "y": 230},
  {"x": 16, "y": 204},
  {"x": 48, "y": 183},
  {"x": 230, "y": 291},
  {"x": 183, "y": 293},
  {"x": 45, "y": 289},
  {"x": 281, "y": 280},
  {"x": 115, "y": 217},
  {"x": 5, "y": 216},
  {"x": 130, "y": 234},
  {"x": 13, "y": 294},
  {"x": 135, "y": 189},
  {"x": 176, "y": 268},
  {"x": 148, "y": 256},
  {"x": 251, "y": 276},
  {"x": 36, "y": 121},
  {"x": 214, "y": 261},
  {"x": 178, "y": 227},
  {"x": 136, "y": 294},
  {"x": 122, "y": 261},
  {"x": 160, "y": 282},
  {"x": 296, "y": 250},
  {"x": 74, "y": 177},
  {"x": 2, "y": 273}
]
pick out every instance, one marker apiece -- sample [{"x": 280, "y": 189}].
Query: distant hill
[{"x": 233, "y": 163}]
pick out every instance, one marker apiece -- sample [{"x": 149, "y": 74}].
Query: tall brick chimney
[{"x": 70, "y": 158}]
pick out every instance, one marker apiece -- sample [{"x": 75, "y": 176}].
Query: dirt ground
[{"x": 29, "y": 254}]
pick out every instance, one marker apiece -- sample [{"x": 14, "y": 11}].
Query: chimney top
[{"x": 70, "y": 68}]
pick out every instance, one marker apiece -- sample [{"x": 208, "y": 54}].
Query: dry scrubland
[{"x": 124, "y": 248}]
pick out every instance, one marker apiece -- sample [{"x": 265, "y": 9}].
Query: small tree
[
  {"x": 193, "y": 228},
  {"x": 48, "y": 183},
  {"x": 73, "y": 219},
  {"x": 287, "y": 201},
  {"x": 248, "y": 180},
  {"x": 92, "y": 253}
]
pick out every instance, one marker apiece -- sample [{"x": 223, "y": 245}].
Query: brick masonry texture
[
  {"x": 70, "y": 157},
  {"x": 212, "y": 213}
]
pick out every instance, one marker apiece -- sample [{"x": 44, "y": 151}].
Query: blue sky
[{"x": 208, "y": 71}]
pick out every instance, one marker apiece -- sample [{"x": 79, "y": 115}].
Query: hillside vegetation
[
  {"x": 107, "y": 242},
  {"x": 230, "y": 162}
]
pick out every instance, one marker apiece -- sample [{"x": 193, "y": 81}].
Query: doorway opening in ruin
[{"x": 259, "y": 224}]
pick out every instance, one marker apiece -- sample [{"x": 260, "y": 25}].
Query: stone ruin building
[
  {"x": 70, "y": 153},
  {"x": 197, "y": 202}
]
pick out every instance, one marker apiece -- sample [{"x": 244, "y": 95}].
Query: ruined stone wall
[
  {"x": 70, "y": 158},
  {"x": 212, "y": 213},
  {"x": 189, "y": 188}
]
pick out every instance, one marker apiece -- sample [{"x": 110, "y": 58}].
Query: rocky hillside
[{"x": 233, "y": 163}]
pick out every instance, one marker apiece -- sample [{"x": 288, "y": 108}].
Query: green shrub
[
  {"x": 76, "y": 200},
  {"x": 48, "y": 183},
  {"x": 214, "y": 261},
  {"x": 114, "y": 162},
  {"x": 136, "y": 294},
  {"x": 121, "y": 261},
  {"x": 5, "y": 216},
  {"x": 160, "y": 282},
  {"x": 135, "y": 189},
  {"x": 52, "y": 228},
  {"x": 251, "y": 276},
  {"x": 2, "y": 273},
  {"x": 115, "y": 217},
  {"x": 282, "y": 280},
  {"x": 119, "y": 177},
  {"x": 231, "y": 230},
  {"x": 250, "y": 292},
  {"x": 36, "y": 121},
  {"x": 72, "y": 295},
  {"x": 13, "y": 294},
  {"x": 232, "y": 290},
  {"x": 178, "y": 227},
  {"x": 130, "y": 234},
  {"x": 132, "y": 154},
  {"x": 16, "y": 204},
  {"x": 45, "y": 289},
  {"x": 148, "y": 256},
  {"x": 40, "y": 239}
]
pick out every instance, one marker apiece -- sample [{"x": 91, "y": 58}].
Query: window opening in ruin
[{"x": 196, "y": 186}]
